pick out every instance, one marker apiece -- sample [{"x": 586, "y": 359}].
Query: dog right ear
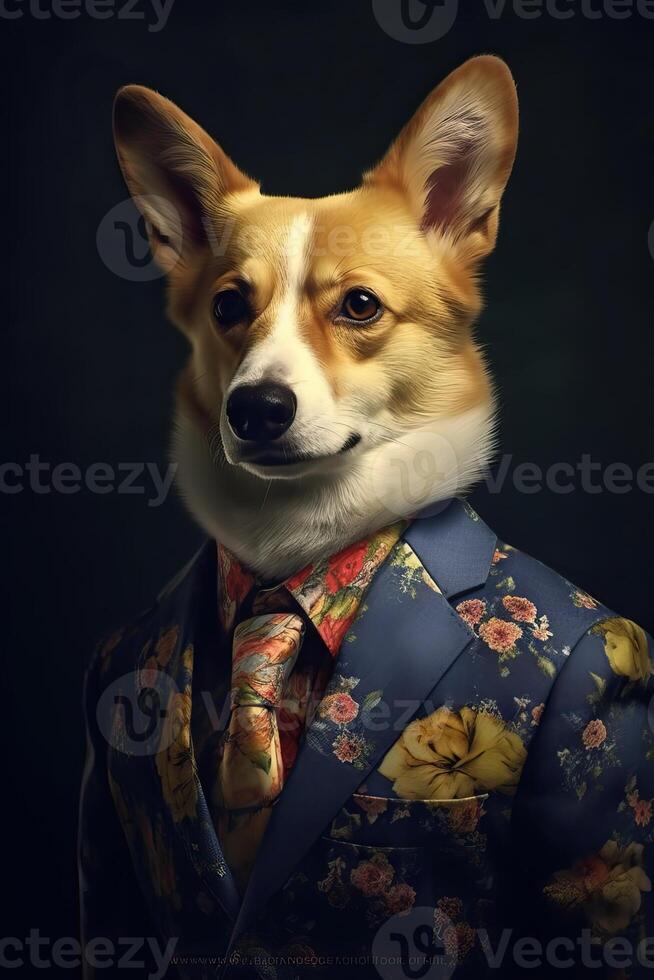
[
  {"x": 176, "y": 173},
  {"x": 453, "y": 158}
]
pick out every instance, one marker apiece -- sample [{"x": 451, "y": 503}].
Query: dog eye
[
  {"x": 360, "y": 306},
  {"x": 229, "y": 307}
]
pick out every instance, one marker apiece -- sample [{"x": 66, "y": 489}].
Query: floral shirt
[{"x": 329, "y": 594}]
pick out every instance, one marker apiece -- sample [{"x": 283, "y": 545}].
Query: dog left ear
[
  {"x": 177, "y": 174},
  {"x": 453, "y": 159}
]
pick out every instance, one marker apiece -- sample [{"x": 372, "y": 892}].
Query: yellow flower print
[
  {"x": 454, "y": 755},
  {"x": 175, "y": 763},
  {"x": 607, "y": 887},
  {"x": 625, "y": 645},
  {"x": 405, "y": 558},
  {"x": 187, "y": 657},
  {"x": 166, "y": 645}
]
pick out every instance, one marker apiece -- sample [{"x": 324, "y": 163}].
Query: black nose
[{"x": 261, "y": 412}]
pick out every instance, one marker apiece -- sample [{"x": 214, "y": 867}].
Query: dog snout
[{"x": 261, "y": 412}]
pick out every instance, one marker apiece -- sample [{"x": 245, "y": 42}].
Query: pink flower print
[
  {"x": 373, "y": 877},
  {"x": 340, "y": 708},
  {"x": 522, "y": 610},
  {"x": 499, "y": 634},
  {"x": 594, "y": 734},
  {"x": 472, "y": 611},
  {"x": 348, "y": 748}
]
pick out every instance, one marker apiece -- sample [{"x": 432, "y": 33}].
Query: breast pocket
[
  {"x": 437, "y": 851},
  {"x": 378, "y": 821}
]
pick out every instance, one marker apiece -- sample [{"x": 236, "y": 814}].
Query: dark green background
[{"x": 304, "y": 95}]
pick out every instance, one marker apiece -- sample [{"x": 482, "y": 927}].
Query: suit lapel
[
  {"x": 186, "y": 621},
  {"x": 455, "y": 546},
  {"x": 405, "y": 637}
]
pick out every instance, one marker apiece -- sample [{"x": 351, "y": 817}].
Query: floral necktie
[{"x": 251, "y": 772}]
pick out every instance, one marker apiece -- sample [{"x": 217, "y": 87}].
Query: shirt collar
[{"x": 329, "y": 592}]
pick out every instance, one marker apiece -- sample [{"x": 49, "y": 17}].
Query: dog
[
  {"x": 476, "y": 761},
  {"x": 331, "y": 339}
]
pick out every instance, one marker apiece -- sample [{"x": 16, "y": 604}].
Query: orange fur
[{"x": 413, "y": 234}]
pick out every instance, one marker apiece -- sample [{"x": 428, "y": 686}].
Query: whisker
[{"x": 265, "y": 496}]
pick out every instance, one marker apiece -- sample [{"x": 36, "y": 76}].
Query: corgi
[{"x": 334, "y": 382}]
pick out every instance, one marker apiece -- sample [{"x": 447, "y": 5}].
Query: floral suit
[{"x": 474, "y": 791}]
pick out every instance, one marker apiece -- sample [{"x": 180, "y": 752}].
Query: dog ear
[
  {"x": 453, "y": 159},
  {"x": 177, "y": 175}
]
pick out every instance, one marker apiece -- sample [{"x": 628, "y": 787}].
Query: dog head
[{"x": 324, "y": 331}]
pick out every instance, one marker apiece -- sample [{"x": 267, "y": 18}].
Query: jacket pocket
[{"x": 378, "y": 821}]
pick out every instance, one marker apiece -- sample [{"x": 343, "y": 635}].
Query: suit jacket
[{"x": 477, "y": 788}]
